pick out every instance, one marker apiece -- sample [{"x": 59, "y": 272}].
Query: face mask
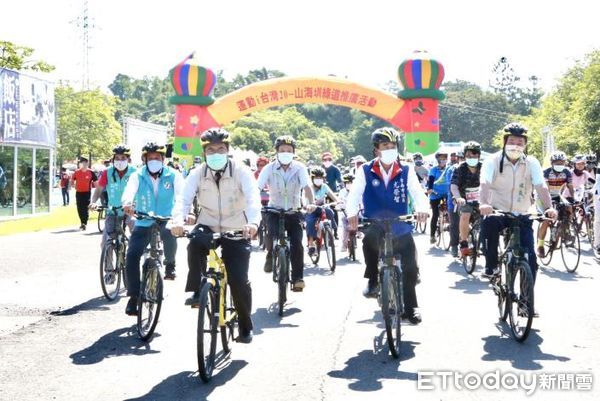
[
  {"x": 217, "y": 161},
  {"x": 120, "y": 164},
  {"x": 318, "y": 182},
  {"x": 472, "y": 162},
  {"x": 389, "y": 156},
  {"x": 327, "y": 164},
  {"x": 419, "y": 163},
  {"x": 558, "y": 168},
  {"x": 514, "y": 152},
  {"x": 442, "y": 163},
  {"x": 285, "y": 158},
  {"x": 154, "y": 166}
]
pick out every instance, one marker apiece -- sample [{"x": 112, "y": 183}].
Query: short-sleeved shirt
[
  {"x": 320, "y": 193},
  {"x": 556, "y": 180},
  {"x": 467, "y": 182},
  {"x": 83, "y": 180}
]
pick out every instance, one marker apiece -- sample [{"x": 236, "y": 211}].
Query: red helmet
[{"x": 262, "y": 160}]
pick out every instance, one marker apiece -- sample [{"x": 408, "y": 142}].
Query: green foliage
[
  {"x": 507, "y": 83},
  {"x": 18, "y": 58},
  {"x": 85, "y": 123}
]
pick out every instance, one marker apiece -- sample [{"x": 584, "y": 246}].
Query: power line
[{"x": 477, "y": 110}]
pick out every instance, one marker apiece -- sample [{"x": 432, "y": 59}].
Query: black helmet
[
  {"x": 153, "y": 147},
  {"x": 417, "y": 155},
  {"x": 285, "y": 140},
  {"x": 214, "y": 135},
  {"x": 347, "y": 178},
  {"x": 515, "y": 129},
  {"x": 317, "y": 172},
  {"x": 384, "y": 135},
  {"x": 472, "y": 146},
  {"x": 121, "y": 149}
]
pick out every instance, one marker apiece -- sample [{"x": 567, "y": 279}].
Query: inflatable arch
[{"x": 414, "y": 111}]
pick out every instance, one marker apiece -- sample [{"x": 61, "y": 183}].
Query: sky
[{"x": 364, "y": 41}]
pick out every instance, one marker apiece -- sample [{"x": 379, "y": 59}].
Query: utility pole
[{"x": 84, "y": 24}]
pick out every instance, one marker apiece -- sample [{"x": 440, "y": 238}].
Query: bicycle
[
  {"x": 584, "y": 215},
  {"x": 281, "y": 255},
  {"x": 151, "y": 288},
  {"x": 442, "y": 230},
  {"x": 216, "y": 312},
  {"x": 325, "y": 239},
  {"x": 473, "y": 239},
  {"x": 112, "y": 258},
  {"x": 564, "y": 234},
  {"x": 513, "y": 282},
  {"x": 391, "y": 298},
  {"x": 101, "y": 218}
]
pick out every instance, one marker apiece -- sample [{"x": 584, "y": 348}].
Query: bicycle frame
[{"x": 216, "y": 275}]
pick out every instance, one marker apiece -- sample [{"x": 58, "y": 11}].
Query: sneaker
[
  {"x": 268, "y": 267},
  {"x": 432, "y": 240},
  {"x": 298, "y": 285},
  {"x": 245, "y": 337},
  {"x": 131, "y": 309},
  {"x": 540, "y": 252},
  {"x": 170, "y": 273},
  {"x": 194, "y": 300},
  {"x": 372, "y": 290},
  {"x": 413, "y": 318},
  {"x": 487, "y": 273},
  {"x": 454, "y": 251}
]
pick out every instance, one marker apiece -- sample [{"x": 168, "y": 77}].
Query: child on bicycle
[
  {"x": 384, "y": 186},
  {"x": 321, "y": 192}
]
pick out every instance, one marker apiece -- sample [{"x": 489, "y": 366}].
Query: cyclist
[
  {"x": 508, "y": 179},
  {"x": 357, "y": 162},
  {"x": 152, "y": 189},
  {"x": 229, "y": 200},
  {"x": 113, "y": 181},
  {"x": 321, "y": 191},
  {"x": 582, "y": 179},
  {"x": 557, "y": 178},
  {"x": 420, "y": 168},
  {"x": 436, "y": 191},
  {"x": 334, "y": 176},
  {"x": 261, "y": 162},
  {"x": 465, "y": 190},
  {"x": 342, "y": 198},
  {"x": 286, "y": 179},
  {"x": 453, "y": 212},
  {"x": 384, "y": 186}
]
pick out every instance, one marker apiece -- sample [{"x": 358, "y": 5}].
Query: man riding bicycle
[
  {"x": 321, "y": 192},
  {"x": 348, "y": 179},
  {"x": 465, "y": 190},
  {"x": 113, "y": 180},
  {"x": 228, "y": 200},
  {"x": 508, "y": 179},
  {"x": 152, "y": 188},
  {"x": 436, "y": 191},
  {"x": 384, "y": 187},
  {"x": 286, "y": 179}
]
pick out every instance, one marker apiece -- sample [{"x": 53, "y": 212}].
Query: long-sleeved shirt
[
  {"x": 183, "y": 203},
  {"x": 134, "y": 183},
  {"x": 415, "y": 190}
]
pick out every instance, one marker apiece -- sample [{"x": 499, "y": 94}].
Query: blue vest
[
  {"x": 115, "y": 186},
  {"x": 385, "y": 202},
  {"x": 447, "y": 180},
  {"x": 146, "y": 202},
  {"x": 439, "y": 188}
]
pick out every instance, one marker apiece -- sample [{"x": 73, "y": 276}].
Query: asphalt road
[{"x": 60, "y": 340}]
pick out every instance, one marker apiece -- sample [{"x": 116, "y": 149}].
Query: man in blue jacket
[{"x": 437, "y": 190}]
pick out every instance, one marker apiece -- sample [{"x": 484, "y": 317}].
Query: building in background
[
  {"x": 137, "y": 132},
  {"x": 27, "y": 143}
]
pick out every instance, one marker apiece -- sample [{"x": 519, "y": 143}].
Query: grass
[{"x": 61, "y": 216}]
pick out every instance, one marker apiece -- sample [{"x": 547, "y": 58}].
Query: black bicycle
[
  {"x": 442, "y": 230},
  {"x": 101, "y": 217},
  {"x": 513, "y": 282},
  {"x": 325, "y": 238},
  {"x": 351, "y": 243},
  {"x": 473, "y": 240},
  {"x": 112, "y": 259},
  {"x": 281, "y": 254},
  {"x": 563, "y": 234},
  {"x": 390, "y": 297},
  {"x": 151, "y": 289}
]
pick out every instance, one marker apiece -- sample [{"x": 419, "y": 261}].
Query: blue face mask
[
  {"x": 154, "y": 166},
  {"x": 216, "y": 161}
]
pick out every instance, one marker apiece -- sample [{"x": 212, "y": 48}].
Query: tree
[
  {"x": 19, "y": 58},
  {"x": 85, "y": 123},
  {"x": 507, "y": 83}
]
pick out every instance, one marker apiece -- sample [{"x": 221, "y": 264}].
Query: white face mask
[
  {"x": 472, "y": 162},
  {"x": 285, "y": 158},
  {"x": 318, "y": 182},
  {"x": 514, "y": 152},
  {"x": 327, "y": 164},
  {"x": 120, "y": 164},
  {"x": 154, "y": 166},
  {"x": 558, "y": 168},
  {"x": 389, "y": 156}
]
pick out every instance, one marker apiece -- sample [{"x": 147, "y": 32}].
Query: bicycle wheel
[
  {"x": 329, "y": 246},
  {"x": 445, "y": 232},
  {"x": 231, "y": 321},
  {"x": 110, "y": 271},
  {"x": 352, "y": 247},
  {"x": 206, "y": 331},
  {"x": 589, "y": 227},
  {"x": 570, "y": 248},
  {"x": 316, "y": 255},
  {"x": 422, "y": 227},
  {"x": 391, "y": 308},
  {"x": 548, "y": 245},
  {"x": 261, "y": 235},
  {"x": 521, "y": 301},
  {"x": 101, "y": 217},
  {"x": 282, "y": 278},
  {"x": 150, "y": 300},
  {"x": 470, "y": 261}
]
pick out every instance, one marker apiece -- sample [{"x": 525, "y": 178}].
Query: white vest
[
  {"x": 284, "y": 194},
  {"x": 511, "y": 190}
]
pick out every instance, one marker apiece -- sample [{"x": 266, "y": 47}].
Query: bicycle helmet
[
  {"x": 384, "y": 135},
  {"x": 317, "y": 172},
  {"x": 440, "y": 152},
  {"x": 215, "y": 135},
  {"x": 472, "y": 146},
  {"x": 591, "y": 158},
  {"x": 417, "y": 155},
  {"x": 579, "y": 159},
  {"x": 121, "y": 150},
  {"x": 285, "y": 140},
  {"x": 153, "y": 147},
  {"x": 359, "y": 159},
  {"x": 262, "y": 160},
  {"x": 347, "y": 178},
  {"x": 558, "y": 156},
  {"x": 515, "y": 129}
]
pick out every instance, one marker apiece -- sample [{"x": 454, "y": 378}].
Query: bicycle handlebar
[
  {"x": 531, "y": 216},
  {"x": 150, "y": 216},
  {"x": 407, "y": 218},
  {"x": 235, "y": 234},
  {"x": 277, "y": 210}
]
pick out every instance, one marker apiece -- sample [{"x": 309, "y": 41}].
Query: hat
[{"x": 82, "y": 159}]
